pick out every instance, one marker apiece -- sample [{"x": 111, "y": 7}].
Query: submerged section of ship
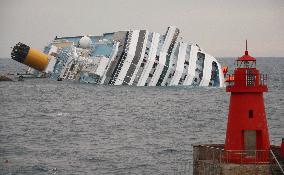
[{"x": 135, "y": 57}]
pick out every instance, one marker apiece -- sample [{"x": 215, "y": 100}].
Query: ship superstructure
[{"x": 134, "y": 57}]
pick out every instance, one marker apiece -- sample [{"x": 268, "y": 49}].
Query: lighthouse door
[{"x": 250, "y": 142}]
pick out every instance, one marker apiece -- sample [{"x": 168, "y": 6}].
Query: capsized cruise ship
[{"x": 134, "y": 57}]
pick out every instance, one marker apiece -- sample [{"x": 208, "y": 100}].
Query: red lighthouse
[{"x": 247, "y": 138}]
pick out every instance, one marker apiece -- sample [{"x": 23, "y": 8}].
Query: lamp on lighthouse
[{"x": 246, "y": 61}]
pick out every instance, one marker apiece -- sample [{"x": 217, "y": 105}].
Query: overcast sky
[{"x": 220, "y": 27}]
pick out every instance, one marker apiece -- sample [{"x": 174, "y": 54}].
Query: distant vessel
[{"x": 134, "y": 57}]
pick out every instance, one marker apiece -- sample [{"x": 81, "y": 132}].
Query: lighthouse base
[
  {"x": 248, "y": 169},
  {"x": 205, "y": 168},
  {"x": 211, "y": 159}
]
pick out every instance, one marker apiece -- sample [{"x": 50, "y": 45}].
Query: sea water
[{"x": 50, "y": 127}]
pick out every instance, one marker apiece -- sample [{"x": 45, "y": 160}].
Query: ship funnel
[{"x": 29, "y": 56}]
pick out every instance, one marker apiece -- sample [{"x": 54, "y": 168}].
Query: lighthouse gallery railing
[{"x": 248, "y": 79}]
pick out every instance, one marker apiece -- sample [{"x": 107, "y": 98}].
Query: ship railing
[{"x": 249, "y": 80}]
